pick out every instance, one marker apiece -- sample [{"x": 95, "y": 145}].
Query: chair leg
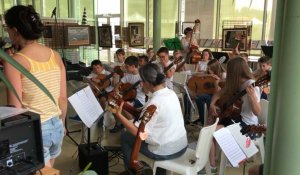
[
  {"x": 154, "y": 169},
  {"x": 261, "y": 148},
  {"x": 207, "y": 168}
]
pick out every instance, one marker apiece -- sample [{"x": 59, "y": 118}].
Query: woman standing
[{"x": 24, "y": 28}]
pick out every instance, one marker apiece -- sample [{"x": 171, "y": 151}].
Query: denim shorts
[{"x": 53, "y": 133}]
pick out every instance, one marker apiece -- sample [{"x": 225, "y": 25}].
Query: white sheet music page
[
  {"x": 245, "y": 143},
  {"x": 86, "y": 106},
  {"x": 229, "y": 146},
  {"x": 6, "y": 112}
]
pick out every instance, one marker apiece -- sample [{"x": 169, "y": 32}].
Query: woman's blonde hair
[
  {"x": 237, "y": 69},
  {"x": 215, "y": 66}
]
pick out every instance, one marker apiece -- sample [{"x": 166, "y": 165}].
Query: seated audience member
[
  {"x": 166, "y": 135},
  {"x": 163, "y": 54}
]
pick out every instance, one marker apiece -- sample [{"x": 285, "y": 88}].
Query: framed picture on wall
[
  {"x": 136, "y": 34},
  {"x": 233, "y": 38},
  {"x": 186, "y": 25},
  {"x": 104, "y": 36},
  {"x": 78, "y": 35}
]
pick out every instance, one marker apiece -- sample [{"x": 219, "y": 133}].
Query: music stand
[
  {"x": 267, "y": 50},
  {"x": 219, "y": 55}
]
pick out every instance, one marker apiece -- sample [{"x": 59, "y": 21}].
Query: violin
[
  {"x": 253, "y": 131},
  {"x": 176, "y": 61}
]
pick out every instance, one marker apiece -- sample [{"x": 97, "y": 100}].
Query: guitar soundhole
[{"x": 209, "y": 85}]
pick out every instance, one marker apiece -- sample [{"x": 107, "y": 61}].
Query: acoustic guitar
[
  {"x": 231, "y": 107},
  {"x": 203, "y": 84},
  {"x": 114, "y": 101},
  {"x": 128, "y": 91},
  {"x": 138, "y": 167},
  {"x": 176, "y": 61},
  {"x": 253, "y": 131},
  {"x": 98, "y": 88}
]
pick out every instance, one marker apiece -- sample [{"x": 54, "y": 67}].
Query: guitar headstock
[
  {"x": 114, "y": 101},
  {"x": 253, "y": 131},
  {"x": 262, "y": 81},
  {"x": 147, "y": 115},
  {"x": 178, "y": 60}
]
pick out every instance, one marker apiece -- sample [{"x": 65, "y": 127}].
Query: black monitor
[
  {"x": 267, "y": 50},
  {"x": 219, "y": 55},
  {"x": 21, "y": 144}
]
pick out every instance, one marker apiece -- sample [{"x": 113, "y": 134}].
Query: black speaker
[
  {"x": 95, "y": 154},
  {"x": 21, "y": 146}
]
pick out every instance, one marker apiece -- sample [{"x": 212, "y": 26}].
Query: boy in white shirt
[
  {"x": 132, "y": 77},
  {"x": 163, "y": 54}
]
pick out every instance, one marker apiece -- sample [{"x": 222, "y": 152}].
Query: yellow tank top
[{"x": 33, "y": 98}]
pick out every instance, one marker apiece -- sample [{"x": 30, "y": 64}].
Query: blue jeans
[
  {"x": 127, "y": 143},
  {"x": 200, "y": 101},
  {"x": 52, "y": 133}
]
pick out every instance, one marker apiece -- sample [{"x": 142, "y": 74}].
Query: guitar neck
[
  {"x": 168, "y": 67},
  {"x": 236, "y": 97},
  {"x": 136, "y": 148},
  {"x": 179, "y": 66}
]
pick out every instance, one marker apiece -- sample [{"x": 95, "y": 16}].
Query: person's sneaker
[{"x": 212, "y": 169}]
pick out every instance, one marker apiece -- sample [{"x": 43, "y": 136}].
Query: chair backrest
[
  {"x": 204, "y": 144},
  {"x": 179, "y": 78},
  {"x": 264, "y": 105},
  {"x": 190, "y": 67}
]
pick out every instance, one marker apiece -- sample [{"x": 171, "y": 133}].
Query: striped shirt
[{"x": 33, "y": 98}]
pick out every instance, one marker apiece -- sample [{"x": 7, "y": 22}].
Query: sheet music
[
  {"x": 229, "y": 146},
  {"x": 6, "y": 112},
  {"x": 86, "y": 106},
  {"x": 245, "y": 143}
]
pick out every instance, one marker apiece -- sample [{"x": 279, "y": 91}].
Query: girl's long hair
[{"x": 237, "y": 69}]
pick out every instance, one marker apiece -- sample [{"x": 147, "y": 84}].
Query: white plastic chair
[
  {"x": 190, "y": 67},
  {"x": 264, "y": 105},
  {"x": 262, "y": 119},
  {"x": 192, "y": 161},
  {"x": 179, "y": 81}
]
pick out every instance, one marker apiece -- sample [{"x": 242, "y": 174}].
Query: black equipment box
[
  {"x": 96, "y": 154},
  {"x": 21, "y": 146}
]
